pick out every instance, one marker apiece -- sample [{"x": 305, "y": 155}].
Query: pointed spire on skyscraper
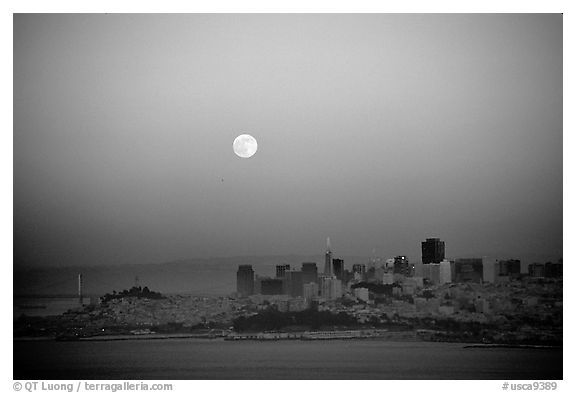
[{"x": 328, "y": 258}]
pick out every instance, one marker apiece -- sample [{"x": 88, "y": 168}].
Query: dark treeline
[
  {"x": 137, "y": 292},
  {"x": 273, "y": 319}
]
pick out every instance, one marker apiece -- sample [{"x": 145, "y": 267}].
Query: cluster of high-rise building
[
  {"x": 547, "y": 270},
  {"x": 306, "y": 282},
  {"x": 438, "y": 270},
  {"x": 434, "y": 269},
  {"x": 331, "y": 284}
]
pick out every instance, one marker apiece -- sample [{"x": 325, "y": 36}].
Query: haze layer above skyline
[{"x": 375, "y": 130}]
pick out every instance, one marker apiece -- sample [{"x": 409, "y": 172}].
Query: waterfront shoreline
[
  {"x": 397, "y": 339},
  {"x": 515, "y": 346},
  {"x": 120, "y": 337}
]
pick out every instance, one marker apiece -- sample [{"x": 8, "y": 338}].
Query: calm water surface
[{"x": 207, "y": 359}]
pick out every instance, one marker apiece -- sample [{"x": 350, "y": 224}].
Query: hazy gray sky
[{"x": 375, "y": 130}]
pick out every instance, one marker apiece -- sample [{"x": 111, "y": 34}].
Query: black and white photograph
[{"x": 288, "y": 196}]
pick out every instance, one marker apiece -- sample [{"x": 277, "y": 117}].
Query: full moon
[{"x": 245, "y": 146}]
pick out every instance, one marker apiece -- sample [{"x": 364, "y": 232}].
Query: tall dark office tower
[
  {"x": 328, "y": 259},
  {"x": 432, "y": 251},
  {"x": 338, "y": 268},
  {"x": 281, "y": 270},
  {"x": 359, "y": 268},
  {"x": 245, "y": 280},
  {"x": 468, "y": 270},
  {"x": 402, "y": 266},
  {"x": 553, "y": 270},
  {"x": 536, "y": 270},
  {"x": 309, "y": 272},
  {"x": 509, "y": 267},
  {"x": 271, "y": 286}
]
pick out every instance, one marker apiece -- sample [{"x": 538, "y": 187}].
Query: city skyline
[{"x": 213, "y": 275}]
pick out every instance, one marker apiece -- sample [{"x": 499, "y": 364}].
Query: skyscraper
[
  {"x": 468, "y": 270},
  {"x": 401, "y": 265},
  {"x": 359, "y": 268},
  {"x": 432, "y": 251},
  {"x": 245, "y": 280},
  {"x": 435, "y": 273},
  {"x": 294, "y": 285},
  {"x": 509, "y": 267},
  {"x": 445, "y": 272},
  {"x": 553, "y": 270},
  {"x": 331, "y": 288},
  {"x": 328, "y": 259},
  {"x": 271, "y": 286},
  {"x": 281, "y": 270},
  {"x": 338, "y": 268},
  {"x": 536, "y": 270},
  {"x": 309, "y": 272},
  {"x": 491, "y": 270},
  {"x": 389, "y": 265},
  {"x": 310, "y": 291}
]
